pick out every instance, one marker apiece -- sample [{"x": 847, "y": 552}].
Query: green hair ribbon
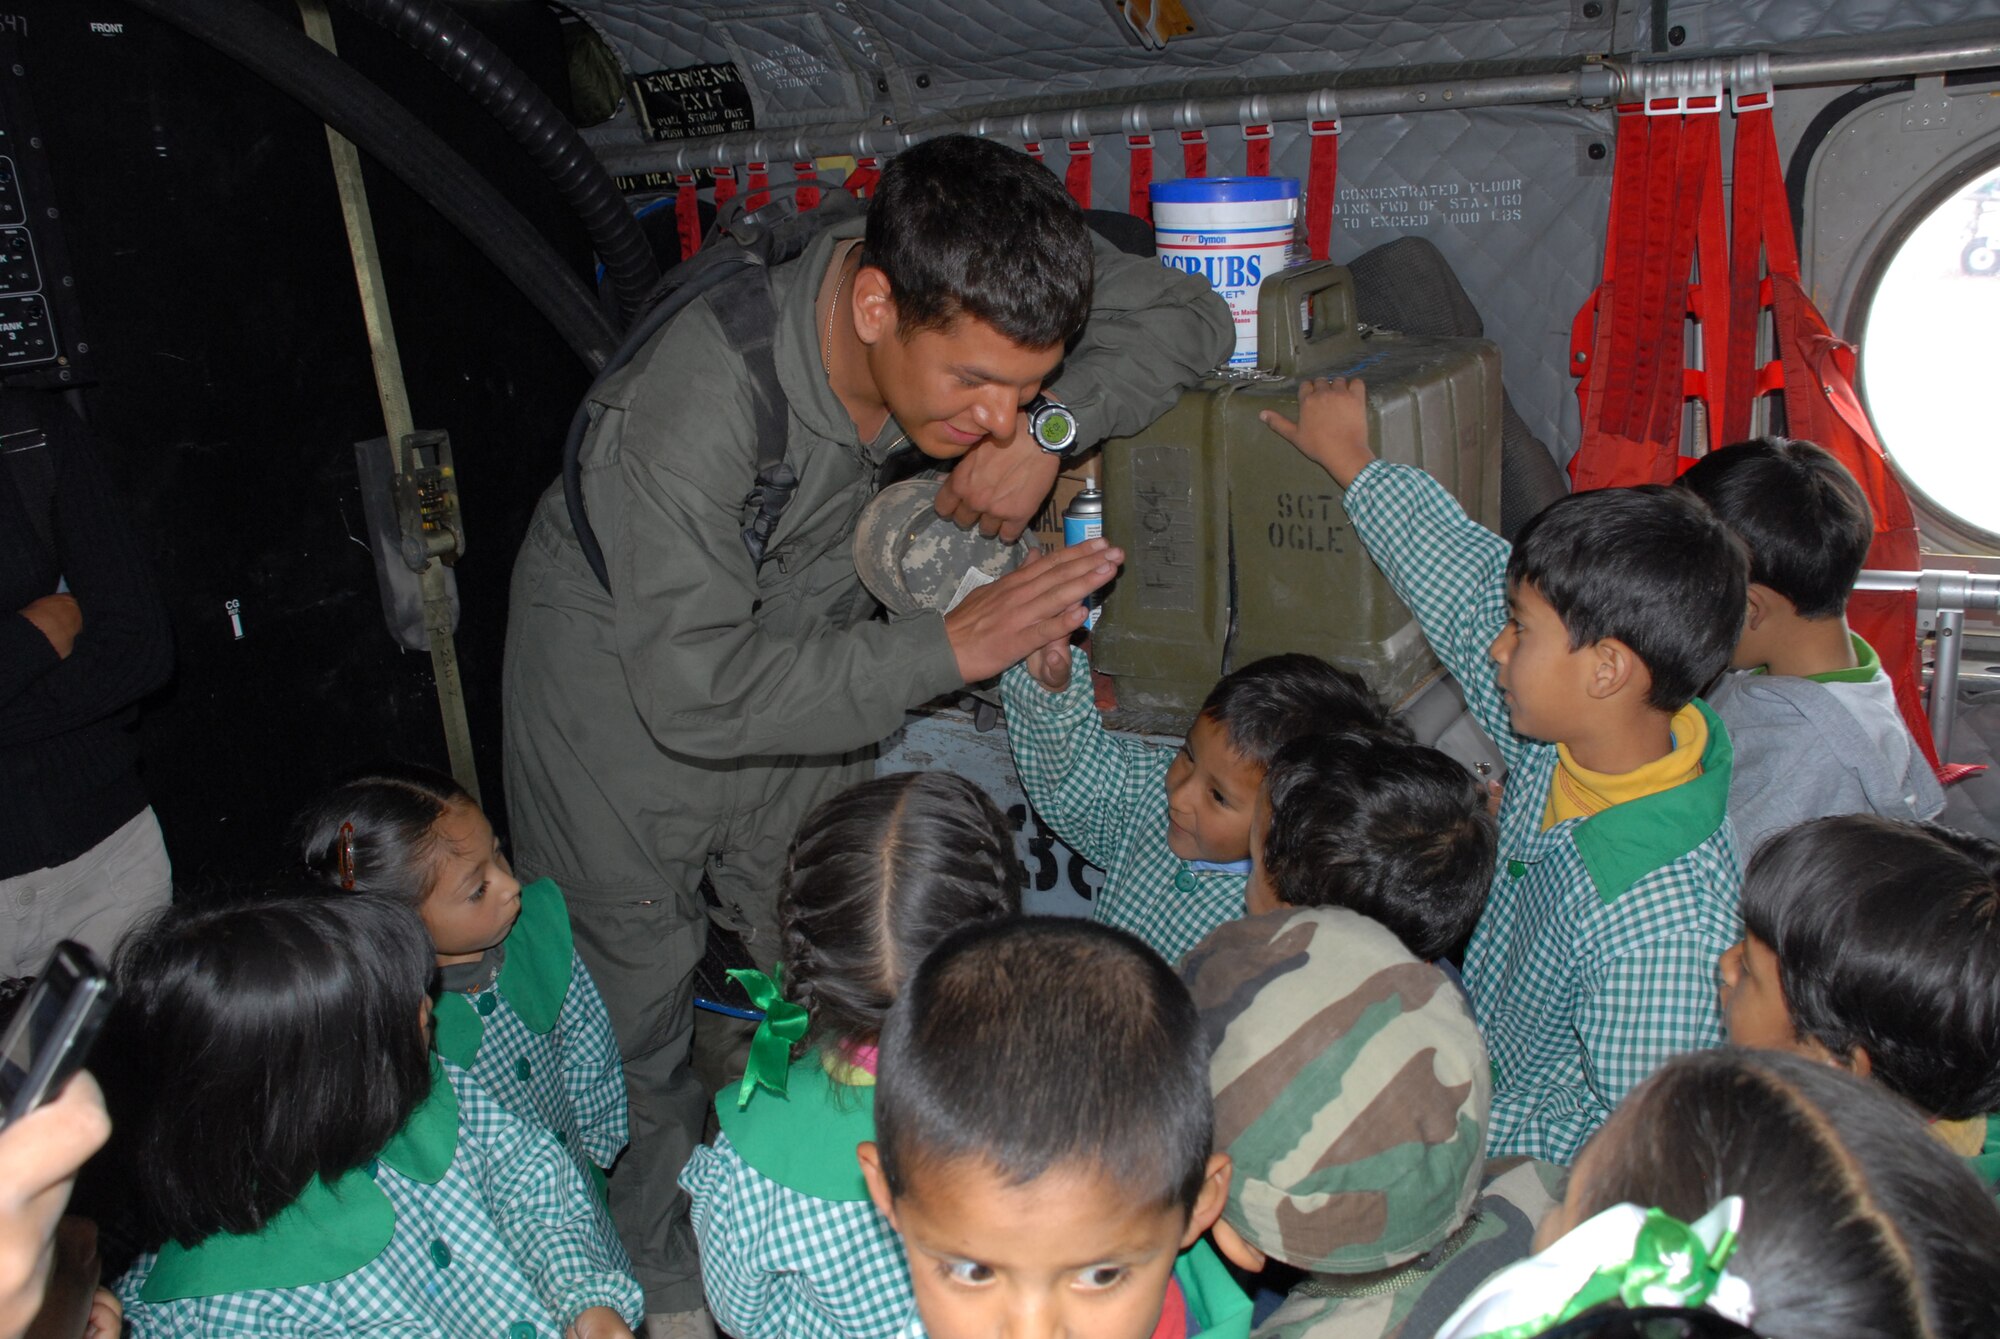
[
  {"x": 1625, "y": 1255},
  {"x": 771, "y": 1045}
]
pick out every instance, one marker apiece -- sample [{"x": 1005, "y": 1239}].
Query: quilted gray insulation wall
[{"x": 1513, "y": 197}]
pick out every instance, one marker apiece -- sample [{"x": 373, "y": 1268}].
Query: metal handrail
[
  {"x": 1356, "y": 93},
  {"x": 1944, "y": 597}
]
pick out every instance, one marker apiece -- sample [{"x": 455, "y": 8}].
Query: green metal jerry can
[{"x": 1237, "y": 547}]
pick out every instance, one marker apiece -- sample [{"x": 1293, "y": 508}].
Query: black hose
[
  {"x": 333, "y": 91},
  {"x": 539, "y": 126}
]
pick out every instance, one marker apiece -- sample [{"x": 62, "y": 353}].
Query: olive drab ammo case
[{"x": 1237, "y": 546}]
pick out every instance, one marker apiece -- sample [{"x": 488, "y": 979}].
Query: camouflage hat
[
  {"x": 912, "y": 559},
  {"x": 1351, "y": 1088}
]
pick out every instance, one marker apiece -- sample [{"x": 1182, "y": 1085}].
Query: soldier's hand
[
  {"x": 999, "y": 486},
  {"x": 1034, "y": 606}
]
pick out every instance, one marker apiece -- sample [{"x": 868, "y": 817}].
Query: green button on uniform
[
  {"x": 488, "y": 1003},
  {"x": 1515, "y": 869},
  {"x": 520, "y": 1329},
  {"x": 1184, "y": 881},
  {"x": 440, "y": 1253},
  {"x": 521, "y": 1069}
]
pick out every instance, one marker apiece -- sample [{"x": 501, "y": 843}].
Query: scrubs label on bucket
[{"x": 1233, "y": 232}]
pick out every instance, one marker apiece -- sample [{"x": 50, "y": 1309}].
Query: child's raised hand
[
  {"x": 599, "y": 1322},
  {"x": 1049, "y": 665},
  {"x": 107, "y": 1316},
  {"x": 1332, "y": 429}
]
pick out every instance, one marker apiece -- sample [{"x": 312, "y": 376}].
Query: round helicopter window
[{"x": 1927, "y": 355}]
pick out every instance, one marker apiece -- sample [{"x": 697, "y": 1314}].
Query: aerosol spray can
[{"x": 1083, "y": 519}]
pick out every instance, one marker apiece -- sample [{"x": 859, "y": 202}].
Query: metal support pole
[
  {"x": 396, "y": 418},
  {"x": 1359, "y": 93},
  {"x": 1944, "y": 677},
  {"x": 1942, "y": 599}
]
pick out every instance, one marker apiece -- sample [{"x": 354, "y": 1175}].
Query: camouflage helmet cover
[{"x": 1351, "y": 1088}]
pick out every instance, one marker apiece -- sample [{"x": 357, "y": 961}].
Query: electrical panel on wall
[{"x": 41, "y": 328}]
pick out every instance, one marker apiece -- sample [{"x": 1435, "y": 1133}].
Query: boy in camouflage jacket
[{"x": 1351, "y": 1093}]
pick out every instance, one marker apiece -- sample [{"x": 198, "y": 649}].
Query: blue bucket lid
[{"x": 1212, "y": 190}]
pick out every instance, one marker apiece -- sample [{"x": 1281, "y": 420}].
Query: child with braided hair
[
  {"x": 1771, "y": 1189},
  {"x": 791, "y": 1247}
]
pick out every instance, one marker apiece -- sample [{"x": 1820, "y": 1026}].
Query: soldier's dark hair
[
  {"x": 1389, "y": 828},
  {"x": 1272, "y": 701},
  {"x": 1857, "y": 1222},
  {"x": 1801, "y": 514},
  {"x": 1650, "y": 566},
  {"x": 967, "y": 227},
  {"x": 280, "y": 1041},
  {"x": 1887, "y": 937},
  {"x": 1047, "y": 1043},
  {"x": 377, "y": 832},
  {"x": 877, "y": 876}
]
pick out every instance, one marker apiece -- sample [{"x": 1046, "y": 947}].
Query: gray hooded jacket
[{"x": 1808, "y": 750}]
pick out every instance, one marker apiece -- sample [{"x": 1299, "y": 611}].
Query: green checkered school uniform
[
  {"x": 470, "y": 1224},
  {"x": 1595, "y": 958},
  {"x": 538, "y": 1039},
  {"x": 791, "y": 1245},
  {"x": 1106, "y": 798}
]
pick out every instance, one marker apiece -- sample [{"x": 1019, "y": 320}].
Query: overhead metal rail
[
  {"x": 1942, "y": 599},
  {"x": 1357, "y": 93}
]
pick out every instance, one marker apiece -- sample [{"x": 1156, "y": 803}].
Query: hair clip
[{"x": 344, "y": 857}]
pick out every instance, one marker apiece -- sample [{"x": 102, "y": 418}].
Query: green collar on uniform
[
  {"x": 805, "y": 1139},
  {"x": 534, "y": 979},
  {"x": 1216, "y": 1305},
  {"x": 1867, "y": 666},
  {"x": 329, "y": 1231},
  {"x": 1628, "y": 841},
  {"x": 1985, "y": 1163}
]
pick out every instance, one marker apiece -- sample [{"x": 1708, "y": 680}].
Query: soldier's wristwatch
[{"x": 1052, "y": 425}]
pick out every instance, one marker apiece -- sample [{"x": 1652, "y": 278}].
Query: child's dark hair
[
  {"x": 1856, "y": 1222},
  {"x": 878, "y": 875},
  {"x": 1389, "y": 828},
  {"x": 377, "y": 832},
  {"x": 1801, "y": 514},
  {"x": 1650, "y": 566},
  {"x": 1274, "y": 700},
  {"x": 1042, "y": 1043},
  {"x": 281, "y": 1042},
  {"x": 1887, "y": 937},
  {"x": 969, "y": 227}
]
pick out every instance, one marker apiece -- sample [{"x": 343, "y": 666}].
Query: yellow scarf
[{"x": 1578, "y": 792}]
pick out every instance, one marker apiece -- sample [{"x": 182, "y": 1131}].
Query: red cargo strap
[
  {"x": 1628, "y": 342},
  {"x": 758, "y": 188},
  {"x": 1322, "y": 176},
  {"x": 1256, "y": 151},
  {"x": 1138, "y": 195},
  {"x": 1815, "y": 371},
  {"x": 1077, "y": 175},
  {"x": 687, "y": 214},
  {"x": 806, "y": 196},
  {"x": 1033, "y": 148},
  {"x": 1194, "y": 153},
  {"x": 867, "y": 171},
  {"x": 725, "y": 186}
]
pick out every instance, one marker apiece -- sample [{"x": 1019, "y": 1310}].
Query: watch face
[{"x": 1054, "y": 429}]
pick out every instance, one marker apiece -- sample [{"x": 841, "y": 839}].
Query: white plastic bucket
[{"x": 1233, "y": 231}]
